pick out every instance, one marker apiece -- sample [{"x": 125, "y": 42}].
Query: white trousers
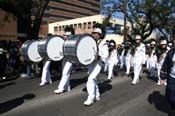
[
  {"x": 64, "y": 82},
  {"x": 46, "y": 77},
  {"x": 158, "y": 71},
  {"x": 137, "y": 68},
  {"x": 127, "y": 64},
  {"x": 110, "y": 70},
  {"x": 106, "y": 67},
  {"x": 92, "y": 84}
]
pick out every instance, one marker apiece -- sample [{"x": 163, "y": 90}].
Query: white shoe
[
  {"x": 50, "y": 82},
  {"x": 133, "y": 83},
  {"x": 165, "y": 83},
  {"x": 58, "y": 91},
  {"x": 88, "y": 103},
  {"x": 69, "y": 88},
  {"x": 3, "y": 78},
  {"x": 45, "y": 83},
  {"x": 158, "y": 83},
  {"x": 97, "y": 98}
]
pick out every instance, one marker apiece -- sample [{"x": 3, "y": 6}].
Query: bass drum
[
  {"x": 30, "y": 51},
  {"x": 81, "y": 49},
  {"x": 51, "y": 48}
]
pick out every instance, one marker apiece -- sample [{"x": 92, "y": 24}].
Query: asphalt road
[{"x": 21, "y": 97}]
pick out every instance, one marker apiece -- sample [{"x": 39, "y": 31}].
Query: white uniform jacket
[
  {"x": 139, "y": 55},
  {"x": 113, "y": 57},
  {"x": 103, "y": 50}
]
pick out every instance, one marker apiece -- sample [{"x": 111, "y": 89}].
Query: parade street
[{"x": 22, "y": 97}]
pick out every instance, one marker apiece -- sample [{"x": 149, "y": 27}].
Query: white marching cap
[
  {"x": 68, "y": 33},
  {"x": 148, "y": 44},
  {"x": 112, "y": 44},
  {"x": 97, "y": 30},
  {"x": 153, "y": 43},
  {"x": 137, "y": 37},
  {"x": 170, "y": 44},
  {"x": 163, "y": 42}
]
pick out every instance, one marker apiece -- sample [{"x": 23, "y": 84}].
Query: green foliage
[{"x": 145, "y": 15}]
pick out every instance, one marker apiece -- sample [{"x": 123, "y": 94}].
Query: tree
[
  {"x": 144, "y": 15},
  {"x": 23, "y": 10}
]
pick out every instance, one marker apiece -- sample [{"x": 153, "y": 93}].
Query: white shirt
[
  {"x": 103, "y": 50},
  {"x": 139, "y": 55}
]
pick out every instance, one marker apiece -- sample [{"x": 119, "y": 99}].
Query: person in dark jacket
[{"x": 168, "y": 72}]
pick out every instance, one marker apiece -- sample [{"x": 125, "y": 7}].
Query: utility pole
[{"x": 125, "y": 21}]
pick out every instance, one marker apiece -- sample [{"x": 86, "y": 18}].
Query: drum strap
[{"x": 99, "y": 41}]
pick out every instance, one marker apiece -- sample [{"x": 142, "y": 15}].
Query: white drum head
[
  {"x": 33, "y": 52},
  {"x": 55, "y": 48},
  {"x": 87, "y": 50}
]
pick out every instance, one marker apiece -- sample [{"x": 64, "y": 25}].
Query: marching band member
[
  {"x": 95, "y": 68},
  {"x": 138, "y": 57},
  {"x": 112, "y": 60},
  {"x": 106, "y": 64},
  {"x": 64, "y": 84},
  {"x": 121, "y": 55},
  {"x": 168, "y": 73},
  {"x": 152, "y": 58},
  {"x": 148, "y": 50},
  {"x": 127, "y": 57},
  {"x": 161, "y": 53},
  {"x": 46, "y": 76}
]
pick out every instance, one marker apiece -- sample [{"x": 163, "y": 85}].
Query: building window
[
  {"x": 55, "y": 29},
  {"x": 79, "y": 26},
  {"x": 89, "y": 25},
  {"x": 59, "y": 28},
  {"x": 75, "y": 26},
  {"x": 63, "y": 27},
  {"x": 71, "y": 25},
  {"x": 84, "y": 25},
  {"x": 94, "y": 22}
]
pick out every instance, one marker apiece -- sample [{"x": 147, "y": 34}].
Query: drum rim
[
  {"x": 96, "y": 44},
  {"x": 77, "y": 41},
  {"x": 26, "y": 57}
]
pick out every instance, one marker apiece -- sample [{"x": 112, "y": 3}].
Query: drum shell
[
  {"x": 43, "y": 48},
  {"x": 25, "y": 50},
  {"x": 70, "y": 48}
]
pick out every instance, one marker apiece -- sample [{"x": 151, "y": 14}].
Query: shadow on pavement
[
  {"x": 7, "y": 84},
  {"x": 11, "y": 104},
  {"x": 76, "y": 82},
  {"x": 160, "y": 102},
  {"x": 153, "y": 78},
  {"x": 103, "y": 87}
]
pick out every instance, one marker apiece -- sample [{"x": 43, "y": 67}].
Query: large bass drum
[
  {"x": 30, "y": 51},
  {"x": 51, "y": 48},
  {"x": 80, "y": 49}
]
